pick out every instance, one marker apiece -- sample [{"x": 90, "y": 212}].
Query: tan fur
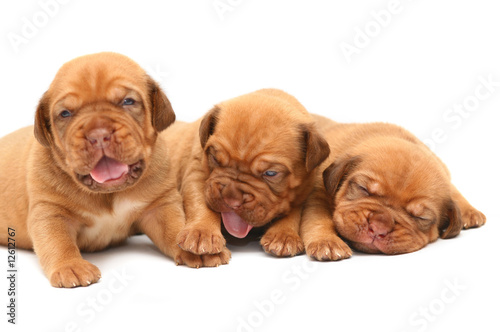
[
  {"x": 240, "y": 140},
  {"x": 387, "y": 193},
  {"x": 48, "y": 197}
]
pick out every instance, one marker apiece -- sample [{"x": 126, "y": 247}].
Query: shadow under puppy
[
  {"x": 386, "y": 191},
  {"x": 252, "y": 161},
  {"x": 94, "y": 172}
]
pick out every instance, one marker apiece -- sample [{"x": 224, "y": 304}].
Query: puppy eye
[
  {"x": 422, "y": 222},
  {"x": 270, "y": 173},
  {"x": 363, "y": 190},
  {"x": 128, "y": 102},
  {"x": 212, "y": 160},
  {"x": 65, "y": 114}
]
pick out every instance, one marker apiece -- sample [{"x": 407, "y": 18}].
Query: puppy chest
[{"x": 109, "y": 228}]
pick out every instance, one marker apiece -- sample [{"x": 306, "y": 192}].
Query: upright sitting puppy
[
  {"x": 387, "y": 193},
  {"x": 251, "y": 160},
  {"x": 96, "y": 172}
]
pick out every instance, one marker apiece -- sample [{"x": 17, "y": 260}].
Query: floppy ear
[
  {"x": 42, "y": 122},
  {"x": 336, "y": 173},
  {"x": 207, "y": 125},
  {"x": 451, "y": 220},
  {"x": 162, "y": 114},
  {"x": 317, "y": 148}
]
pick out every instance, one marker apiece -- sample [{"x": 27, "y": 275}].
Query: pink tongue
[
  {"x": 108, "y": 169},
  {"x": 235, "y": 225}
]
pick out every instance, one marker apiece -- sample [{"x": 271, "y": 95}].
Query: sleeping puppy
[
  {"x": 387, "y": 193},
  {"x": 252, "y": 160},
  {"x": 94, "y": 171}
]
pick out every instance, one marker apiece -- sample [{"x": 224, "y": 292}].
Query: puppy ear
[
  {"x": 451, "y": 220},
  {"x": 162, "y": 113},
  {"x": 207, "y": 125},
  {"x": 317, "y": 148},
  {"x": 42, "y": 122},
  {"x": 335, "y": 174}
]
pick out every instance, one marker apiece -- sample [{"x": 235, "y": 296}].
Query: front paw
[
  {"x": 215, "y": 260},
  {"x": 328, "y": 249},
  {"x": 74, "y": 273},
  {"x": 282, "y": 244},
  {"x": 200, "y": 241},
  {"x": 187, "y": 258},
  {"x": 473, "y": 218},
  {"x": 209, "y": 260}
]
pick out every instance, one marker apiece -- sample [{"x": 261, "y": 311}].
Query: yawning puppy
[
  {"x": 252, "y": 159},
  {"x": 387, "y": 193},
  {"x": 96, "y": 172}
]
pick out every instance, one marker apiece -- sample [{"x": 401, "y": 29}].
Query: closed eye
[
  {"x": 422, "y": 219},
  {"x": 212, "y": 160},
  {"x": 363, "y": 190},
  {"x": 423, "y": 222}
]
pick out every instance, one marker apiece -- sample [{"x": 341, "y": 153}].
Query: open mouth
[
  {"x": 109, "y": 172},
  {"x": 235, "y": 225}
]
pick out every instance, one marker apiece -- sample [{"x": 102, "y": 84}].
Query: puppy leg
[
  {"x": 163, "y": 222},
  {"x": 202, "y": 233},
  {"x": 317, "y": 230},
  {"x": 282, "y": 238},
  {"x": 53, "y": 232},
  {"x": 471, "y": 217}
]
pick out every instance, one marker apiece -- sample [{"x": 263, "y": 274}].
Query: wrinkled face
[
  {"x": 257, "y": 170},
  {"x": 391, "y": 203},
  {"x": 101, "y": 118}
]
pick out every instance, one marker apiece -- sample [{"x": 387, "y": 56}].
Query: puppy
[
  {"x": 251, "y": 160},
  {"x": 387, "y": 193},
  {"x": 94, "y": 172}
]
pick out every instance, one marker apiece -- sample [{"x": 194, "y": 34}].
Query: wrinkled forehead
[
  {"x": 252, "y": 152},
  {"x": 260, "y": 137},
  {"x": 96, "y": 78},
  {"x": 402, "y": 179}
]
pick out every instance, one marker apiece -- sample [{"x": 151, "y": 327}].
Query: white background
[{"x": 426, "y": 58}]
